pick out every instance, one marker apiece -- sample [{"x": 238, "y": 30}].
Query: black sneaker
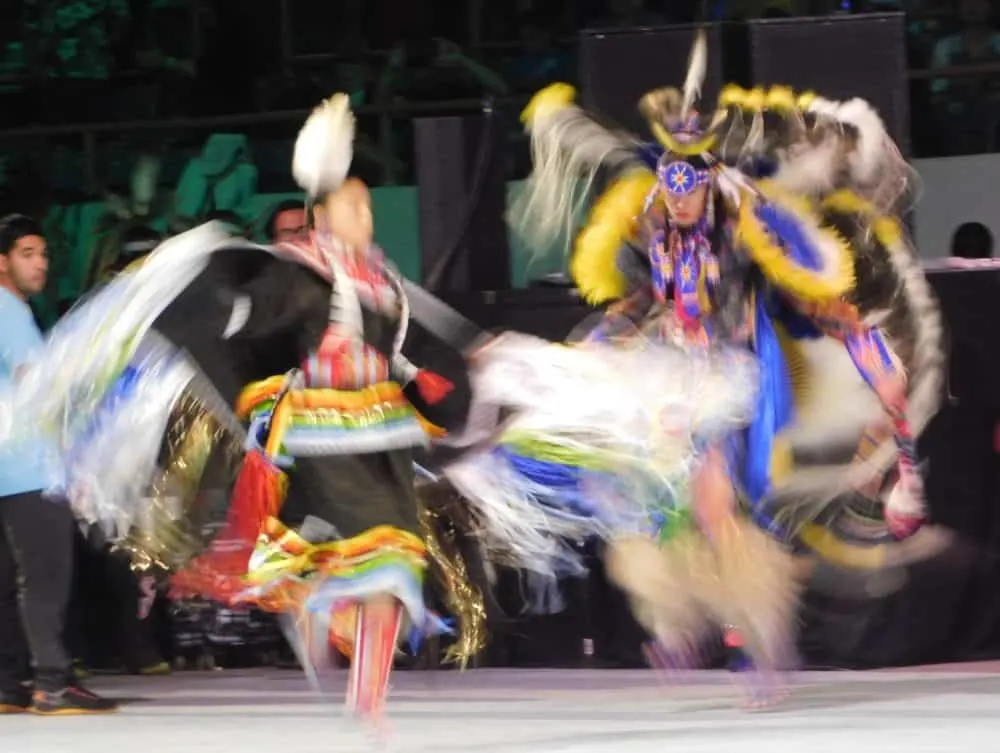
[
  {"x": 70, "y": 701},
  {"x": 15, "y": 701}
]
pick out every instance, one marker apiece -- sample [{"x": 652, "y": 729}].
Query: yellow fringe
[
  {"x": 755, "y": 100},
  {"x": 782, "y": 460},
  {"x": 732, "y": 96},
  {"x": 806, "y": 99},
  {"x": 702, "y": 146},
  {"x": 549, "y": 100},
  {"x": 798, "y": 364},
  {"x": 594, "y": 264},
  {"x": 776, "y": 99},
  {"x": 887, "y": 230},
  {"x": 784, "y": 272},
  {"x": 743, "y": 577},
  {"x": 831, "y": 549},
  {"x": 781, "y": 99}
]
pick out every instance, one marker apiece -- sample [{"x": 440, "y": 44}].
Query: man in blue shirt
[{"x": 36, "y": 528}]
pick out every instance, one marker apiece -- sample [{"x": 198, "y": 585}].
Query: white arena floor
[{"x": 951, "y": 708}]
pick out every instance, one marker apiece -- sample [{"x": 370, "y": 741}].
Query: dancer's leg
[
  {"x": 376, "y": 634},
  {"x": 759, "y": 594},
  {"x": 756, "y": 577},
  {"x": 655, "y": 579}
]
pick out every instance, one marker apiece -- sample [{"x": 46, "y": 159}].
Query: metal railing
[{"x": 90, "y": 133}]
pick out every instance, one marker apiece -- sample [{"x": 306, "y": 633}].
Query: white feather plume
[
  {"x": 866, "y": 160},
  {"x": 325, "y": 147},
  {"x": 697, "y": 67}
]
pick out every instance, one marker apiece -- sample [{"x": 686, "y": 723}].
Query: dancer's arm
[
  {"x": 882, "y": 371},
  {"x": 623, "y": 316}
]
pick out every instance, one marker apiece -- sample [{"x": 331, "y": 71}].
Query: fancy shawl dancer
[
  {"x": 323, "y": 524},
  {"x": 754, "y": 326}
]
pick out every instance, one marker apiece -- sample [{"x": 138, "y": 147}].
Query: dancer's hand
[
  {"x": 714, "y": 498},
  {"x": 891, "y": 391},
  {"x": 906, "y": 510}
]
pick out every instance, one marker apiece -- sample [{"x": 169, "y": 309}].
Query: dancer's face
[
  {"x": 688, "y": 209},
  {"x": 347, "y": 214}
]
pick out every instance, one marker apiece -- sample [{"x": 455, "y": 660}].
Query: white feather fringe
[
  {"x": 568, "y": 150},
  {"x": 873, "y": 165},
  {"x": 68, "y": 378},
  {"x": 324, "y": 148},
  {"x": 110, "y": 468},
  {"x": 645, "y": 409},
  {"x": 697, "y": 68}
]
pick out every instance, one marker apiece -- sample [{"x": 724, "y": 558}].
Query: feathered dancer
[{"x": 809, "y": 274}]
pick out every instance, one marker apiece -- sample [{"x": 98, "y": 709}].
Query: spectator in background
[
  {"x": 968, "y": 106},
  {"x": 972, "y": 240},
  {"x": 977, "y": 40},
  {"x": 288, "y": 222},
  {"x": 36, "y": 529},
  {"x": 110, "y": 611}
]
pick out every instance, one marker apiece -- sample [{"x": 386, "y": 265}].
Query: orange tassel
[
  {"x": 433, "y": 387},
  {"x": 218, "y": 573}
]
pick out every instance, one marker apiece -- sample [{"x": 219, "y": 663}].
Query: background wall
[{"x": 954, "y": 190}]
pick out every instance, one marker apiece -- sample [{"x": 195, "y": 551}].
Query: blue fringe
[{"x": 785, "y": 226}]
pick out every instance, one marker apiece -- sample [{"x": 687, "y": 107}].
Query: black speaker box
[
  {"x": 462, "y": 199},
  {"x": 618, "y": 66},
  {"x": 839, "y": 57}
]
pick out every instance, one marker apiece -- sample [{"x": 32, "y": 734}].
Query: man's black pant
[{"x": 36, "y": 567}]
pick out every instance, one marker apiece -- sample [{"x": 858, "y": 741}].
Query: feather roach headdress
[{"x": 324, "y": 148}]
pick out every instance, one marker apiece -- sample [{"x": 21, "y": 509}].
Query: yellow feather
[
  {"x": 551, "y": 99},
  {"x": 780, "y": 99},
  {"x": 887, "y": 230},
  {"x": 594, "y": 265},
  {"x": 782, "y": 460},
  {"x": 732, "y": 96},
  {"x": 805, "y": 100},
  {"x": 756, "y": 99}
]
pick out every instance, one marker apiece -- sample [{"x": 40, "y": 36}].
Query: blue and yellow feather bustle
[{"x": 794, "y": 251}]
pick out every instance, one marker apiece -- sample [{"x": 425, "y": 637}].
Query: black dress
[{"x": 286, "y": 308}]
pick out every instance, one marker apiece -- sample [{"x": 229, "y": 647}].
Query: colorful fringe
[
  {"x": 324, "y": 421},
  {"x": 288, "y": 574},
  {"x": 590, "y": 483},
  {"x": 219, "y": 573}
]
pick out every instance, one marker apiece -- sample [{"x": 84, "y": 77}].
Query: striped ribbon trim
[
  {"x": 323, "y": 421},
  {"x": 288, "y": 573}
]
